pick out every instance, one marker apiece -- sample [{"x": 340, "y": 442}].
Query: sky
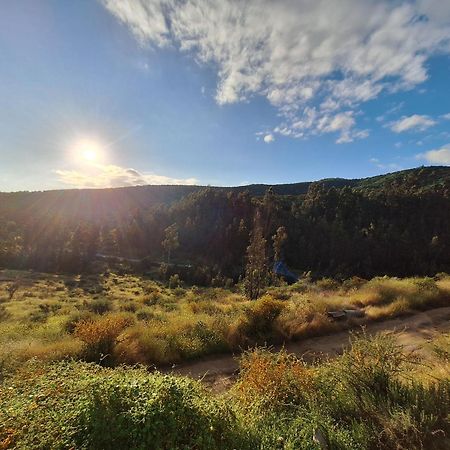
[{"x": 108, "y": 93}]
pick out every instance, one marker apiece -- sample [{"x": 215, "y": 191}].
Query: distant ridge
[{"x": 91, "y": 203}]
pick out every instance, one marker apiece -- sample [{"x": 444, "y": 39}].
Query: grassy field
[
  {"x": 66, "y": 345},
  {"x": 368, "y": 398},
  {"x": 126, "y": 319}
]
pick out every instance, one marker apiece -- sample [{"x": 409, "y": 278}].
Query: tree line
[{"x": 399, "y": 228}]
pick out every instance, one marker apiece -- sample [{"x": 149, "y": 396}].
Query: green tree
[
  {"x": 256, "y": 272},
  {"x": 170, "y": 241},
  {"x": 279, "y": 239}
]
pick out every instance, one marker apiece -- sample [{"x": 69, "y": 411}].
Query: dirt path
[{"x": 412, "y": 331}]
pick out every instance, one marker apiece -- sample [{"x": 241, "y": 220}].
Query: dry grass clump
[
  {"x": 99, "y": 336},
  {"x": 99, "y": 306},
  {"x": 305, "y": 317},
  {"x": 66, "y": 348},
  {"x": 180, "y": 338},
  {"x": 419, "y": 292},
  {"x": 257, "y": 324},
  {"x": 441, "y": 347},
  {"x": 389, "y": 297},
  {"x": 278, "y": 378},
  {"x": 398, "y": 307},
  {"x": 4, "y": 313}
]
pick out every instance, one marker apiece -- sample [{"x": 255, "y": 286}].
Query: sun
[
  {"x": 89, "y": 154},
  {"x": 88, "y": 150}
]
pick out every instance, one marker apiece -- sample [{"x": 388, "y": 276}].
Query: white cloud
[
  {"x": 414, "y": 122},
  {"x": 446, "y": 116},
  {"x": 104, "y": 176},
  {"x": 438, "y": 156},
  {"x": 299, "y": 54},
  {"x": 314, "y": 122},
  {"x": 268, "y": 138}
]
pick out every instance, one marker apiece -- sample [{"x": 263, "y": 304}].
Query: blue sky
[{"x": 115, "y": 93}]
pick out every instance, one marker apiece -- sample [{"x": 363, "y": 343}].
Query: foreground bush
[
  {"x": 79, "y": 405},
  {"x": 365, "y": 399},
  {"x": 99, "y": 336}
]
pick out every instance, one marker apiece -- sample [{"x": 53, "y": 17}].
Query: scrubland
[
  {"x": 77, "y": 357},
  {"x": 125, "y": 319},
  {"x": 368, "y": 398}
]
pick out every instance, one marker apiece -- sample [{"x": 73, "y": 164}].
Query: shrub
[
  {"x": 353, "y": 283},
  {"x": 128, "y": 306},
  {"x": 174, "y": 281},
  {"x": 100, "y": 306},
  {"x": 362, "y": 400},
  {"x": 76, "y": 405},
  {"x": 38, "y": 316},
  {"x": 4, "y": 314},
  {"x": 74, "y": 318},
  {"x": 12, "y": 288},
  {"x": 99, "y": 336},
  {"x": 257, "y": 323},
  {"x": 276, "y": 379},
  {"x": 204, "y": 307},
  {"x": 369, "y": 389},
  {"x": 327, "y": 284},
  {"x": 280, "y": 293},
  {"x": 152, "y": 298}
]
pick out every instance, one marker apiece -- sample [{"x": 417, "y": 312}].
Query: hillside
[
  {"x": 104, "y": 203},
  {"x": 395, "y": 224}
]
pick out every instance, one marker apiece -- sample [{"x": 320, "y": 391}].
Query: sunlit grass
[{"x": 170, "y": 325}]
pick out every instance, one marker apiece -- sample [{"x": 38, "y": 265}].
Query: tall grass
[
  {"x": 363, "y": 400},
  {"x": 167, "y": 325}
]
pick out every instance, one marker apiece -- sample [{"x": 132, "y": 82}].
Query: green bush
[
  {"x": 78, "y": 405},
  {"x": 257, "y": 324},
  {"x": 100, "y": 306},
  {"x": 362, "y": 400}
]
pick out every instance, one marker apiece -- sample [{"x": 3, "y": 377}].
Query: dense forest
[{"x": 395, "y": 224}]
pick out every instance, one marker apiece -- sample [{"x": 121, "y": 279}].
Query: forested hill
[
  {"x": 104, "y": 203},
  {"x": 395, "y": 224}
]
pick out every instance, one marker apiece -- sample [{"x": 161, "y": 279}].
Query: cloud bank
[
  {"x": 106, "y": 176},
  {"x": 316, "y": 61},
  {"x": 438, "y": 156}
]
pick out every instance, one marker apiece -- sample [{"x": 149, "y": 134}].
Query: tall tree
[
  {"x": 279, "y": 239},
  {"x": 256, "y": 271},
  {"x": 170, "y": 241}
]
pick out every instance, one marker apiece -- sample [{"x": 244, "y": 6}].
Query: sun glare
[{"x": 88, "y": 150}]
